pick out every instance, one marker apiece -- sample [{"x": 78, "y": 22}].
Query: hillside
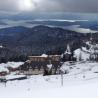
[
  {"x": 39, "y": 35},
  {"x": 41, "y": 39}
]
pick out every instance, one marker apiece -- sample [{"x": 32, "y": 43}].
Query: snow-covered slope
[{"x": 80, "y": 82}]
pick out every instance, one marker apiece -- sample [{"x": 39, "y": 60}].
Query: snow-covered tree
[
  {"x": 67, "y": 55},
  {"x": 48, "y": 69}
]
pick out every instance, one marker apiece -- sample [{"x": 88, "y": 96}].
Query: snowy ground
[
  {"x": 80, "y": 82},
  {"x": 4, "y": 66}
]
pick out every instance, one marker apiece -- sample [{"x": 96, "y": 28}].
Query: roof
[
  {"x": 44, "y": 56},
  {"x": 3, "y": 69}
]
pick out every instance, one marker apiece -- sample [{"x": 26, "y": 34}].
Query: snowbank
[
  {"x": 14, "y": 64},
  {"x": 4, "y": 66}
]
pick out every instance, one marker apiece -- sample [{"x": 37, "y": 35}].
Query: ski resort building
[{"x": 38, "y": 64}]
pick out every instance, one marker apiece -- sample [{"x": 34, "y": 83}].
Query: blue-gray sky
[{"x": 13, "y": 6}]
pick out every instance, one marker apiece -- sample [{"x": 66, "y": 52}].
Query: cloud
[
  {"x": 52, "y": 5},
  {"x": 8, "y": 5},
  {"x": 77, "y": 28}
]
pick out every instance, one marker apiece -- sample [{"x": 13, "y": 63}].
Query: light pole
[{"x": 61, "y": 73}]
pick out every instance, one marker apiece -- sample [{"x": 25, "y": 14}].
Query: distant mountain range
[
  {"x": 82, "y": 26},
  {"x": 40, "y": 39}
]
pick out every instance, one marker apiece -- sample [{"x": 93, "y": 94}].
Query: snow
[
  {"x": 4, "y": 66},
  {"x": 3, "y": 69},
  {"x": 68, "y": 51},
  {"x": 80, "y": 67},
  {"x": 14, "y": 64},
  {"x": 88, "y": 43},
  {"x": 65, "y": 67},
  {"x": 38, "y": 86},
  {"x": 1, "y": 46},
  {"x": 95, "y": 69},
  {"x": 44, "y": 55},
  {"x": 13, "y": 76},
  {"x": 84, "y": 54},
  {"x": 49, "y": 66}
]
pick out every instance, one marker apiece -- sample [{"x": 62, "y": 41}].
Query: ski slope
[{"x": 80, "y": 82}]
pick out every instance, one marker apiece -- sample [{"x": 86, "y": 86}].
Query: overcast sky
[{"x": 49, "y": 5}]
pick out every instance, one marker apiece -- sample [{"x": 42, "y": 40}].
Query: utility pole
[{"x": 62, "y": 78}]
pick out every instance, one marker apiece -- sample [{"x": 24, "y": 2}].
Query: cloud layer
[{"x": 52, "y": 5}]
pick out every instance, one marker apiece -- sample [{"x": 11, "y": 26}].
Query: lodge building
[{"x": 37, "y": 64}]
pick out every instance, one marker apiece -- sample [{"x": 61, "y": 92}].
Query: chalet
[
  {"x": 45, "y": 58},
  {"x": 37, "y": 64}
]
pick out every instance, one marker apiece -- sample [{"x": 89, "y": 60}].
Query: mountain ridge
[{"x": 41, "y": 39}]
